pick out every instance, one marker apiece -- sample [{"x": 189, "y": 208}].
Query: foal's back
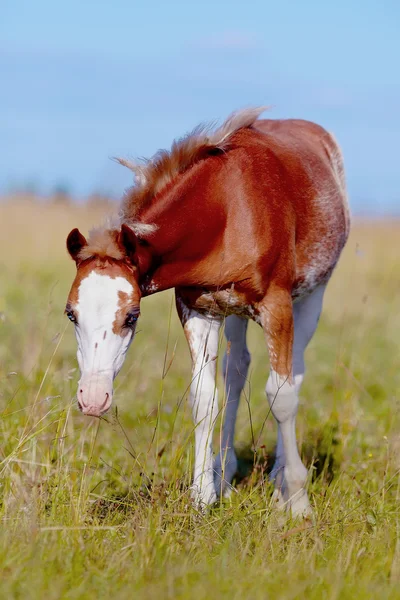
[
  {"x": 313, "y": 166},
  {"x": 302, "y": 195}
]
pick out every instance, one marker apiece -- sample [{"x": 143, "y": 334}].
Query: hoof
[
  {"x": 203, "y": 497},
  {"x": 297, "y": 506}
]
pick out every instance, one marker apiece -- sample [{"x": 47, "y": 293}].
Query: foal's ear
[
  {"x": 75, "y": 242},
  {"x": 127, "y": 241}
]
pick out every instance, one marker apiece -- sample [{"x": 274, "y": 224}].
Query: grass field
[{"x": 100, "y": 508}]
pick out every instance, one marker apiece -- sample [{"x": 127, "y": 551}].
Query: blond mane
[
  {"x": 102, "y": 241},
  {"x": 153, "y": 175}
]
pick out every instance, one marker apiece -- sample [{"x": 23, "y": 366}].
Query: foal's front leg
[{"x": 202, "y": 334}]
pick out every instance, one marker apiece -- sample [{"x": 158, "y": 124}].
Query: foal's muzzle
[{"x": 94, "y": 395}]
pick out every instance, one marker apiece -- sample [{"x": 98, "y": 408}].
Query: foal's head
[{"x": 104, "y": 305}]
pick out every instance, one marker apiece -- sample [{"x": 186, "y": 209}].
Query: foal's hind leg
[
  {"x": 235, "y": 366},
  {"x": 288, "y": 329}
]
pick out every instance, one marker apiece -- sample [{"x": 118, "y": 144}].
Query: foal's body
[{"x": 249, "y": 226}]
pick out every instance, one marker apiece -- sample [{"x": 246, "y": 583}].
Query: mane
[
  {"x": 154, "y": 174},
  {"x": 102, "y": 241}
]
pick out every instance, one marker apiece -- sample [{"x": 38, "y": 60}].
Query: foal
[{"x": 245, "y": 222}]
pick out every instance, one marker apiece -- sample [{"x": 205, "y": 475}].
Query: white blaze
[{"x": 100, "y": 350}]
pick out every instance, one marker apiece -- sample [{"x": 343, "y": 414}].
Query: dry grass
[{"x": 100, "y": 508}]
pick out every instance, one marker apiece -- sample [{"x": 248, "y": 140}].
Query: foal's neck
[{"x": 189, "y": 226}]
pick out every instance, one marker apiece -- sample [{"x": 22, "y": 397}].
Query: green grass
[{"x": 101, "y": 508}]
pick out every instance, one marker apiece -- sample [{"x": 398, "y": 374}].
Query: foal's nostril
[
  {"x": 105, "y": 401},
  {"x": 80, "y": 406}
]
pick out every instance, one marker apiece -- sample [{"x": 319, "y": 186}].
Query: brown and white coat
[{"x": 245, "y": 222}]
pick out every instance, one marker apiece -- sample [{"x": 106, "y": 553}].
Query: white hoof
[
  {"x": 298, "y": 505},
  {"x": 203, "y": 496},
  {"x": 290, "y": 493}
]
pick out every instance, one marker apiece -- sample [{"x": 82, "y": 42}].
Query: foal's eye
[
  {"x": 131, "y": 319},
  {"x": 71, "y": 316}
]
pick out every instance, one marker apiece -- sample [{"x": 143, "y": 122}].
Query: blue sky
[{"x": 83, "y": 81}]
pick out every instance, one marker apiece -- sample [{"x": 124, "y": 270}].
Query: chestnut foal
[{"x": 245, "y": 222}]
